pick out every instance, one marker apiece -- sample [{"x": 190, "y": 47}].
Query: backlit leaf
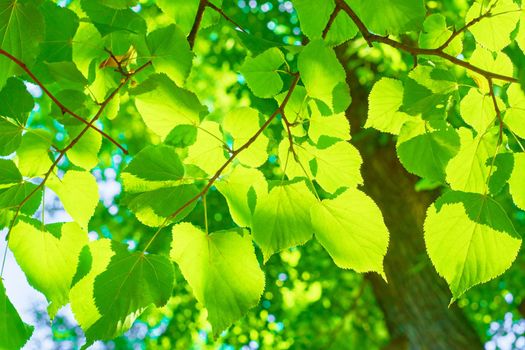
[{"x": 222, "y": 270}]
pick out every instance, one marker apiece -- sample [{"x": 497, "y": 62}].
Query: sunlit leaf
[
  {"x": 351, "y": 228},
  {"x": 14, "y": 333},
  {"x": 56, "y": 248},
  {"x": 222, "y": 270},
  {"x": 282, "y": 218},
  {"x": 469, "y": 239}
]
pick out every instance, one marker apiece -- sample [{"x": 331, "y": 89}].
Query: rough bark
[{"x": 415, "y": 300}]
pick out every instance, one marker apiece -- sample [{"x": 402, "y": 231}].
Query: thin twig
[
  {"x": 331, "y": 20},
  {"x": 60, "y": 105},
  {"x": 455, "y": 33},
  {"x": 118, "y": 62},
  {"x": 225, "y": 16},
  {"x": 197, "y": 23}
]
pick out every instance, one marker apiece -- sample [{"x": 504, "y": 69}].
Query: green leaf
[
  {"x": 67, "y": 75},
  {"x": 242, "y": 188},
  {"x": 94, "y": 260},
  {"x": 494, "y": 31},
  {"x": 335, "y": 126},
  {"x": 420, "y": 100},
  {"x": 182, "y": 136},
  {"x": 163, "y": 105},
  {"x": 208, "y": 150},
  {"x": 61, "y": 25},
  {"x": 425, "y": 151},
  {"x": 21, "y": 32},
  {"x": 295, "y": 165},
  {"x": 152, "y": 208},
  {"x": 477, "y": 110},
  {"x": 12, "y": 197},
  {"x": 321, "y": 73},
  {"x": 516, "y": 183},
  {"x": 152, "y": 168},
  {"x": 296, "y": 110},
  {"x": 437, "y": 80},
  {"x": 156, "y": 186},
  {"x": 33, "y": 153},
  {"x": 383, "y": 106},
  {"x": 502, "y": 167},
  {"x": 85, "y": 152},
  {"x": 10, "y": 136},
  {"x": 282, "y": 218},
  {"x": 119, "y": 4},
  {"x": 469, "y": 170},
  {"x": 130, "y": 283},
  {"x": 56, "y": 249},
  {"x": 118, "y": 287},
  {"x": 313, "y": 16},
  {"x": 9, "y": 173},
  {"x": 435, "y": 33},
  {"x": 395, "y": 17},
  {"x": 469, "y": 239},
  {"x": 261, "y": 73},
  {"x": 256, "y": 44},
  {"x": 108, "y": 20},
  {"x": 87, "y": 46},
  {"x": 221, "y": 269},
  {"x": 78, "y": 192},
  {"x": 242, "y": 123},
  {"x": 337, "y": 166},
  {"x": 342, "y": 30},
  {"x": 16, "y": 101},
  {"x": 491, "y": 62},
  {"x": 184, "y": 12},
  {"x": 170, "y": 53},
  {"x": 520, "y": 35},
  {"x": 14, "y": 333},
  {"x": 351, "y": 228},
  {"x": 514, "y": 116},
  {"x": 73, "y": 100}
]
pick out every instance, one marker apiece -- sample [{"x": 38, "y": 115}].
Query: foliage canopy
[{"x": 279, "y": 159}]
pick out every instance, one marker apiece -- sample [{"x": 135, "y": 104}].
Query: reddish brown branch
[
  {"x": 455, "y": 33},
  {"x": 55, "y": 100},
  {"x": 331, "y": 20},
  {"x": 417, "y": 51},
  {"x": 197, "y": 23}
]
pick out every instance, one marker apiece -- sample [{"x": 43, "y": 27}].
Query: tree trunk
[{"x": 415, "y": 299}]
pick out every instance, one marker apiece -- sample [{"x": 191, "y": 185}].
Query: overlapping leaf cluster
[{"x": 457, "y": 116}]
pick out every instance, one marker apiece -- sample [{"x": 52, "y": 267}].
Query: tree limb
[
  {"x": 417, "y": 51},
  {"x": 197, "y": 23}
]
